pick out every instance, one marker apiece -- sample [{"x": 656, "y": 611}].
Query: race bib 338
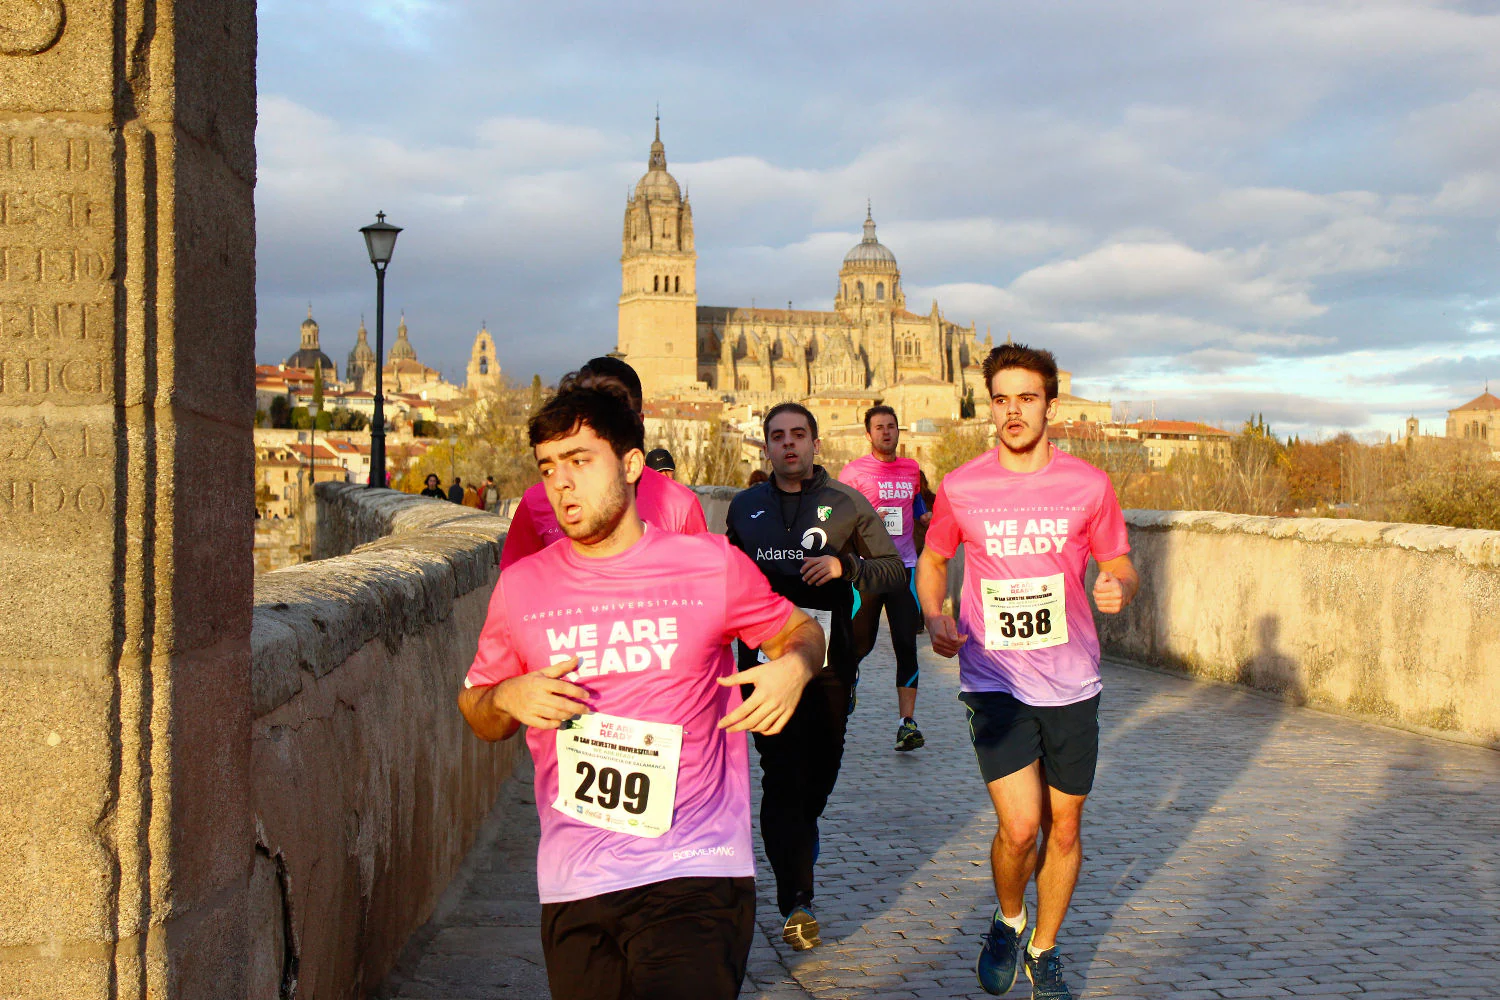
[{"x": 1024, "y": 614}]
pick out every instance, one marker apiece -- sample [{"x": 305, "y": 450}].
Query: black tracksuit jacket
[{"x": 829, "y": 518}]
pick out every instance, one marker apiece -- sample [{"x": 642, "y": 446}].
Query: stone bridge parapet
[
  {"x": 1396, "y": 622},
  {"x": 367, "y": 788}
]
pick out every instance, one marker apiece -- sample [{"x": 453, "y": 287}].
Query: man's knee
[
  {"x": 1065, "y": 834},
  {"x": 1018, "y": 833}
]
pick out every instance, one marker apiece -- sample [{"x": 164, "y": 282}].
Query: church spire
[{"x": 658, "y": 160}]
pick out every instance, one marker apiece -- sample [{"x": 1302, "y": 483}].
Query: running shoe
[
  {"x": 909, "y": 737},
  {"x": 1045, "y": 973},
  {"x": 999, "y": 960},
  {"x": 801, "y": 930}
]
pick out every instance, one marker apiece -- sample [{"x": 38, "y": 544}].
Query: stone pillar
[{"x": 127, "y": 325}]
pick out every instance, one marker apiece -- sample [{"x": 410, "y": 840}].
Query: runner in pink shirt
[
  {"x": 1029, "y": 517},
  {"x": 613, "y": 647},
  {"x": 893, "y": 487},
  {"x": 659, "y": 500}
]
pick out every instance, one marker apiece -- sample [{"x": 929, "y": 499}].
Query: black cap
[{"x": 660, "y": 459}]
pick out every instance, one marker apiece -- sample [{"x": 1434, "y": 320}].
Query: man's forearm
[
  {"x": 932, "y": 582},
  {"x": 487, "y": 720},
  {"x": 806, "y": 642}
]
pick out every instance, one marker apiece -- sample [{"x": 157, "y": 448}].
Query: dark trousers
[
  {"x": 799, "y": 767},
  {"x": 903, "y": 616},
  {"x": 682, "y": 939}
]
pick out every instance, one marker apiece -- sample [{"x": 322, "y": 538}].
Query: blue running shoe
[
  {"x": 801, "y": 930},
  {"x": 1045, "y": 973},
  {"x": 1000, "y": 959}
]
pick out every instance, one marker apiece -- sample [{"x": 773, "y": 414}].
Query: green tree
[
  {"x": 281, "y": 412},
  {"x": 536, "y": 394},
  {"x": 318, "y": 387},
  {"x": 966, "y": 408}
]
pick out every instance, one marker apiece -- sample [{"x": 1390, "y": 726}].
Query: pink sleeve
[
  {"x": 850, "y": 475},
  {"x": 693, "y": 523},
  {"x": 752, "y": 610},
  {"x": 943, "y": 533},
  {"x": 1108, "y": 536},
  {"x": 496, "y": 659},
  {"x": 521, "y": 539}
]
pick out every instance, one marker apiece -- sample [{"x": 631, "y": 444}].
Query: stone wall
[
  {"x": 127, "y": 162},
  {"x": 367, "y": 787},
  {"x": 715, "y": 502},
  {"x": 1398, "y": 622}
]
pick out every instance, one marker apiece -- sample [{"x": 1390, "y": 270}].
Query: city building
[
  {"x": 1477, "y": 420},
  {"x": 1165, "y": 440},
  {"x": 310, "y": 355},
  {"x": 869, "y": 343},
  {"x": 484, "y": 376}
]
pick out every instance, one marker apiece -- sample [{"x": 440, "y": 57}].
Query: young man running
[
  {"x": 660, "y": 501},
  {"x": 614, "y": 649},
  {"x": 1029, "y": 516},
  {"x": 815, "y": 539},
  {"x": 892, "y": 485}
]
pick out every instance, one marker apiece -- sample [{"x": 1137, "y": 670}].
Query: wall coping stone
[
  {"x": 310, "y": 618},
  {"x": 1469, "y": 545},
  {"x": 717, "y": 492}
]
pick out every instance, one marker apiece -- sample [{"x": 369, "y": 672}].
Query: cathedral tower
[
  {"x": 361, "y": 367},
  {"x": 484, "y": 377},
  {"x": 658, "y": 325}
]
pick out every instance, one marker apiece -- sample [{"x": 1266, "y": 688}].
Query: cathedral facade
[{"x": 868, "y": 344}]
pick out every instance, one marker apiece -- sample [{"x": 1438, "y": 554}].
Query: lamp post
[{"x": 380, "y": 240}]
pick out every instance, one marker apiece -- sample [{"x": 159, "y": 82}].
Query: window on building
[
  {"x": 656, "y": 282},
  {"x": 484, "y": 366},
  {"x": 669, "y": 347},
  {"x": 859, "y": 289},
  {"x": 676, "y": 284},
  {"x": 879, "y": 291}
]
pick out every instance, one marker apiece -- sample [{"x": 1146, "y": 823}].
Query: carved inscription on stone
[
  {"x": 57, "y": 264},
  {"x": 29, "y": 26},
  {"x": 54, "y": 469}
]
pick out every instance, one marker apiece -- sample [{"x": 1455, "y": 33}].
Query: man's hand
[
  {"x": 778, "y": 689},
  {"x": 541, "y": 699},
  {"x": 945, "y": 636},
  {"x": 818, "y": 570},
  {"x": 925, "y": 518},
  {"x": 1109, "y": 594}
]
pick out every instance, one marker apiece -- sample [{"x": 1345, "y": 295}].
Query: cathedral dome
[
  {"x": 869, "y": 253},
  {"x": 657, "y": 184}
]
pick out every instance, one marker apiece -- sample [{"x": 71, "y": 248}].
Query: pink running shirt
[
  {"x": 659, "y": 500},
  {"x": 890, "y": 487},
  {"x": 652, "y": 628},
  {"x": 1020, "y": 531}
]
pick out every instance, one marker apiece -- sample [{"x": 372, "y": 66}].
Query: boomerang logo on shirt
[{"x": 814, "y": 538}]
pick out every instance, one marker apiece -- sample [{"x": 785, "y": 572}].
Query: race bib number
[
  {"x": 618, "y": 774},
  {"x": 893, "y": 523},
  {"x": 1024, "y": 614},
  {"x": 825, "y": 622}
]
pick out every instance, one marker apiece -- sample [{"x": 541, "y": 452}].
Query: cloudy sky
[{"x": 1225, "y": 208}]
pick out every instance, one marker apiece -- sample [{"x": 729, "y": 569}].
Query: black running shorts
[
  {"x": 681, "y": 939},
  {"x": 1008, "y": 735}
]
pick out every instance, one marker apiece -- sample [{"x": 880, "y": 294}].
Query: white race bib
[
  {"x": 825, "y": 622},
  {"x": 1024, "y": 614},
  {"x": 893, "y": 522},
  {"x": 618, "y": 774}
]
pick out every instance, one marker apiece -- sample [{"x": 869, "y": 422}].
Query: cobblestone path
[{"x": 1235, "y": 847}]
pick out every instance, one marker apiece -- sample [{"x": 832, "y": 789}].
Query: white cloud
[{"x": 1150, "y": 275}]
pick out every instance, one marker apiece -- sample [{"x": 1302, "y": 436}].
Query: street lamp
[{"x": 380, "y": 240}]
